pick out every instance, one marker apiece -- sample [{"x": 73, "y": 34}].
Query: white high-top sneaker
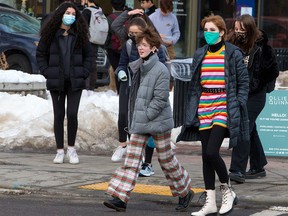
[
  {"x": 229, "y": 199},
  {"x": 210, "y": 207}
]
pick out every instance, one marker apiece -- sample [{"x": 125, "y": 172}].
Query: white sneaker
[
  {"x": 72, "y": 156},
  {"x": 59, "y": 158},
  {"x": 146, "y": 170},
  {"x": 118, "y": 154}
]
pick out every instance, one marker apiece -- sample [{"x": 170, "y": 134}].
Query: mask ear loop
[{"x": 155, "y": 50}]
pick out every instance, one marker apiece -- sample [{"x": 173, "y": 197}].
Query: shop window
[{"x": 274, "y": 21}]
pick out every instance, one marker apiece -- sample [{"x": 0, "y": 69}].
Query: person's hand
[
  {"x": 136, "y": 11},
  {"x": 165, "y": 41},
  {"x": 122, "y": 75}
]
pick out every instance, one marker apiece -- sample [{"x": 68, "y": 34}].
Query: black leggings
[
  {"x": 114, "y": 58},
  {"x": 211, "y": 142},
  {"x": 73, "y": 100},
  {"x": 123, "y": 111}
]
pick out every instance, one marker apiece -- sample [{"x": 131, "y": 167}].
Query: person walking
[
  {"x": 149, "y": 115},
  {"x": 166, "y": 24},
  {"x": 262, "y": 67},
  {"x": 64, "y": 57},
  {"x": 137, "y": 21},
  {"x": 148, "y": 6},
  {"x": 216, "y": 108},
  {"x": 147, "y": 169}
]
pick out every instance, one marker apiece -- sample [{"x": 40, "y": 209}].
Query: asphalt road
[{"x": 35, "y": 205}]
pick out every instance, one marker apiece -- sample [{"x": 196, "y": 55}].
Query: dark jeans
[
  {"x": 73, "y": 100},
  {"x": 123, "y": 111},
  {"x": 254, "y": 149},
  {"x": 212, "y": 161}
]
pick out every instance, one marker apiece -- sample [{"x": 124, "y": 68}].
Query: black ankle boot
[
  {"x": 116, "y": 204},
  {"x": 184, "y": 202}
]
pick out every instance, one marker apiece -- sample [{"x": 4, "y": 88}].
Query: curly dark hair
[{"x": 80, "y": 26}]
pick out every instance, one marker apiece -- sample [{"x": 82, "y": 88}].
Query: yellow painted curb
[{"x": 140, "y": 188}]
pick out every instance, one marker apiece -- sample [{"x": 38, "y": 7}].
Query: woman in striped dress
[{"x": 216, "y": 109}]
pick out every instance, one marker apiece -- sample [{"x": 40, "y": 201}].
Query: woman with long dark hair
[
  {"x": 262, "y": 68},
  {"x": 64, "y": 56}
]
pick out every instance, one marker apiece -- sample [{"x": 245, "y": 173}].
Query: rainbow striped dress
[{"x": 212, "y": 106}]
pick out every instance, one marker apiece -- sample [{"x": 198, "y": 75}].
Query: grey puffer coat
[
  {"x": 149, "y": 106},
  {"x": 237, "y": 87}
]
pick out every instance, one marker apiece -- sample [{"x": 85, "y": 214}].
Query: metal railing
[{"x": 282, "y": 58}]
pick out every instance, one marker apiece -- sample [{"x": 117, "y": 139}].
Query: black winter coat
[
  {"x": 237, "y": 85},
  {"x": 51, "y": 66}
]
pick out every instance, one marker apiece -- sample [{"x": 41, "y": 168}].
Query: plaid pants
[{"x": 124, "y": 179}]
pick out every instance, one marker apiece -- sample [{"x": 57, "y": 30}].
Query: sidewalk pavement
[{"x": 23, "y": 172}]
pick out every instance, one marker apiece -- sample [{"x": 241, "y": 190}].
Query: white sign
[{"x": 246, "y": 10}]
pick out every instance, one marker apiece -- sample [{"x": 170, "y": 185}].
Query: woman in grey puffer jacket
[{"x": 149, "y": 115}]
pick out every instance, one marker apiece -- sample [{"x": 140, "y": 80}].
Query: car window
[{"x": 19, "y": 23}]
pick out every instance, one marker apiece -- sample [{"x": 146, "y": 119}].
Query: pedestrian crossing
[{"x": 273, "y": 211}]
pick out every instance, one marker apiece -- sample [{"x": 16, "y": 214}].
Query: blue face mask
[
  {"x": 68, "y": 19},
  {"x": 211, "y": 37}
]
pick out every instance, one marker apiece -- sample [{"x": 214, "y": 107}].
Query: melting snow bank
[{"x": 26, "y": 123}]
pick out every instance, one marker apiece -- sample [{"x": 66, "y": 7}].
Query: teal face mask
[
  {"x": 68, "y": 19},
  {"x": 211, "y": 37}
]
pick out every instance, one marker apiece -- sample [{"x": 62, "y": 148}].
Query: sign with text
[{"x": 272, "y": 124}]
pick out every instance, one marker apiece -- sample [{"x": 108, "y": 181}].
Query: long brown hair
[{"x": 252, "y": 33}]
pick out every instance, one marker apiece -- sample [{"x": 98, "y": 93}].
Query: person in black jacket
[
  {"x": 216, "y": 108},
  {"x": 148, "y": 6},
  {"x": 64, "y": 57},
  {"x": 262, "y": 68}
]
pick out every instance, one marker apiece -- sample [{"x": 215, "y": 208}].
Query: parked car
[{"x": 19, "y": 37}]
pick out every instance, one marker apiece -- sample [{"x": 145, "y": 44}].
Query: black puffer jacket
[
  {"x": 237, "y": 84},
  {"x": 51, "y": 66}
]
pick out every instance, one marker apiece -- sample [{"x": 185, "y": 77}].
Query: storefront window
[
  {"x": 181, "y": 10},
  {"x": 274, "y": 21}
]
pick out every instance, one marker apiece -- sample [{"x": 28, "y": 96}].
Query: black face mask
[
  {"x": 240, "y": 36},
  {"x": 133, "y": 38}
]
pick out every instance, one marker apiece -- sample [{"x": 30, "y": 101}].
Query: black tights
[
  {"x": 123, "y": 111},
  {"x": 73, "y": 100},
  {"x": 212, "y": 162}
]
